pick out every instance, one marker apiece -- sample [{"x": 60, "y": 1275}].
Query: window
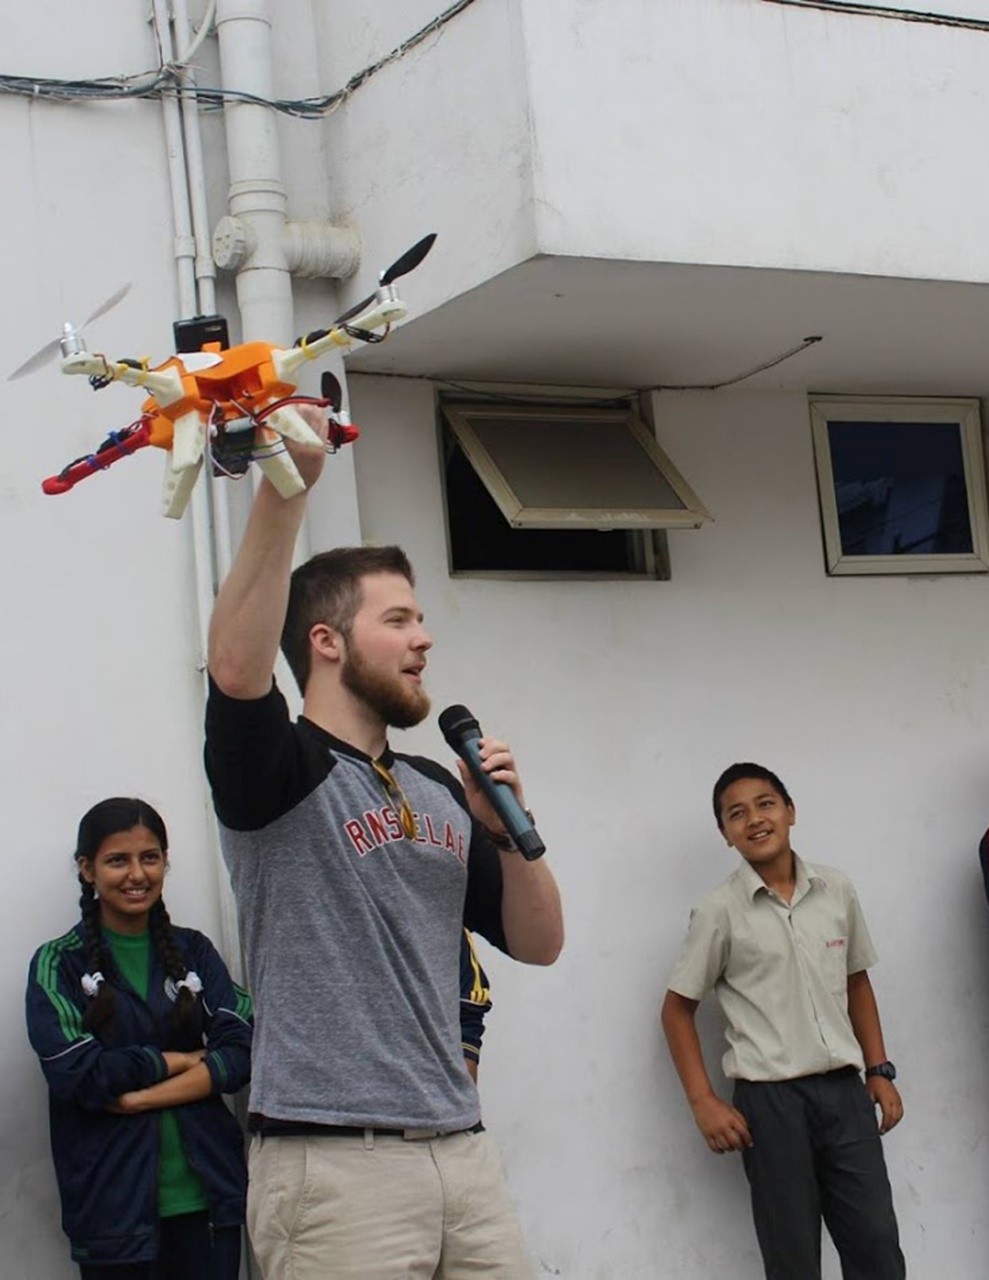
[
  {"x": 541, "y": 490},
  {"x": 902, "y": 485}
]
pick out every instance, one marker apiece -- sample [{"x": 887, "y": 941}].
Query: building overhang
[{"x": 620, "y": 324}]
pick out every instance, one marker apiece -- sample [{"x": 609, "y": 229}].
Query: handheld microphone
[{"x": 463, "y": 733}]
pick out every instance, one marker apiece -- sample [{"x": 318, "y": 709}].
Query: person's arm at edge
[
  {"x": 863, "y": 1013},
  {"x": 246, "y": 625},
  {"x": 722, "y": 1126}
]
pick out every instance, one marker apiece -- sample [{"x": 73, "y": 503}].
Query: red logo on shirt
[
  {"x": 835, "y": 942},
  {"x": 376, "y": 828}
]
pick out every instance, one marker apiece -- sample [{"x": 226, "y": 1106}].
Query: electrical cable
[
  {"x": 166, "y": 80},
  {"x": 614, "y": 401},
  {"x": 853, "y": 8},
  {"x": 738, "y": 377},
  {"x": 199, "y": 35}
]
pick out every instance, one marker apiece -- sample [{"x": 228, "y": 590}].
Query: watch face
[{"x": 884, "y": 1069}]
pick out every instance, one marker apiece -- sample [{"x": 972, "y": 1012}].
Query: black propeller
[
  {"x": 409, "y": 260},
  {"x": 330, "y": 389}
]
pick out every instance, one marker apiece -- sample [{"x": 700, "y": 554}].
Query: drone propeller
[
  {"x": 409, "y": 260},
  {"x": 330, "y": 389},
  {"x": 50, "y": 349}
]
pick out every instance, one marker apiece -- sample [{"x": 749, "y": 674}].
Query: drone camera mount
[{"x": 194, "y": 333}]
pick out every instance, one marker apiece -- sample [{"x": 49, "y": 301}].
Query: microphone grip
[{"x": 517, "y": 822}]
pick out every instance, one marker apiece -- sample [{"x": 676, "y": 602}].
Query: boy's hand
[
  {"x": 886, "y": 1096},
  {"x": 723, "y": 1127}
]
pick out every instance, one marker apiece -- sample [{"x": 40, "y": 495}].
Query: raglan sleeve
[
  {"x": 252, "y": 758},
  {"x": 482, "y": 904},
  {"x": 76, "y": 1065},
  {"x": 704, "y": 953},
  {"x": 482, "y": 899}
]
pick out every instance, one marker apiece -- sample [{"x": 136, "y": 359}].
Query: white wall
[
  {"x": 707, "y": 131},
  {"x": 437, "y": 141},
  {"x": 868, "y": 695},
  {"x": 98, "y": 648},
  {"x": 624, "y": 702},
  {"x": 736, "y": 131}
]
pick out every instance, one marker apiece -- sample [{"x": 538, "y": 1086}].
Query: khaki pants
[{"x": 373, "y": 1207}]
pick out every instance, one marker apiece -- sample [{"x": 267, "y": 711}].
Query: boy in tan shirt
[{"x": 785, "y": 948}]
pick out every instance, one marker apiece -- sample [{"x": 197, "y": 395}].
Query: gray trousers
[{"x": 817, "y": 1154}]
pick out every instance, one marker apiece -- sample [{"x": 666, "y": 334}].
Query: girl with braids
[{"x": 140, "y": 1029}]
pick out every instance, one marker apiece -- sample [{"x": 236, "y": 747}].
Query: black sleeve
[
  {"x": 984, "y": 860},
  {"x": 259, "y": 766},
  {"x": 482, "y": 906}
]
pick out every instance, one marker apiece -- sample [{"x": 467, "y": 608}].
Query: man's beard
[{"x": 399, "y": 705}]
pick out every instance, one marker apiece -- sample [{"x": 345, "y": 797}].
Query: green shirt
[{"x": 179, "y": 1187}]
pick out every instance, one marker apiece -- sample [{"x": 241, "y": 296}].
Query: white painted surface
[
  {"x": 707, "y": 131},
  {"x": 681, "y": 130},
  {"x": 98, "y": 649},
  {"x": 624, "y": 702},
  {"x": 736, "y": 131}
]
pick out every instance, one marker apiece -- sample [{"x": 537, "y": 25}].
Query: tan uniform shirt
[{"x": 780, "y": 971}]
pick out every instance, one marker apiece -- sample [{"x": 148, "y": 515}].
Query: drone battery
[{"x": 193, "y": 334}]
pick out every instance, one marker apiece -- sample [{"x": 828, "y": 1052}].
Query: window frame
[
  {"x": 963, "y": 412},
  {"x": 460, "y": 415}
]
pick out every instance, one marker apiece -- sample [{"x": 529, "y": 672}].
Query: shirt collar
[
  {"x": 805, "y": 876},
  {"x": 333, "y": 743}
]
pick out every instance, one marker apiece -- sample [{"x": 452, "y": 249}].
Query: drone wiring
[{"x": 165, "y": 81}]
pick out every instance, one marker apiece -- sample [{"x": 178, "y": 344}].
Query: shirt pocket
[{"x": 834, "y": 963}]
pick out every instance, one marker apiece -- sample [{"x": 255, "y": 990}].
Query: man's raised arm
[{"x": 249, "y": 613}]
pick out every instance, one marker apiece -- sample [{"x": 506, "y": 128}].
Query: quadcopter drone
[{"x": 234, "y": 405}]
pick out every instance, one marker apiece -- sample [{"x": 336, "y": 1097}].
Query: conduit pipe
[
  {"x": 209, "y": 511},
  {"x": 211, "y": 494},
  {"x": 184, "y": 251}
]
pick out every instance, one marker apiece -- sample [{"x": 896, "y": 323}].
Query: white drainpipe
[{"x": 256, "y": 239}]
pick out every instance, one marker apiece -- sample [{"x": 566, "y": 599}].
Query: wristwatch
[
  {"x": 503, "y": 841},
  {"x": 884, "y": 1069}
]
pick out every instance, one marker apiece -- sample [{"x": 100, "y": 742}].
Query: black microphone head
[{"x": 456, "y": 724}]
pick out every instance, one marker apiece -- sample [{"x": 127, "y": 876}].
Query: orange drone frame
[{"x": 235, "y": 405}]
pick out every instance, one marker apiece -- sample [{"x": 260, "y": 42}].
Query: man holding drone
[{"x": 354, "y": 870}]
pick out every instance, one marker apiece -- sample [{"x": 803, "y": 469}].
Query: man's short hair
[
  {"x": 735, "y": 773},
  {"x": 327, "y": 589}
]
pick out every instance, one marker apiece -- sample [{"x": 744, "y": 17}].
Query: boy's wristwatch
[{"x": 884, "y": 1069}]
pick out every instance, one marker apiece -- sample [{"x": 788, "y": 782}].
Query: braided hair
[{"x": 103, "y": 820}]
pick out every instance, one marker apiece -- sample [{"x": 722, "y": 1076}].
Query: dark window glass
[
  {"x": 900, "y": 488},
  {"x": 481, "y": 538}
]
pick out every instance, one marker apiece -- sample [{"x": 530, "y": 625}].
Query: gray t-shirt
[{"x": 351, "y": 930}]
